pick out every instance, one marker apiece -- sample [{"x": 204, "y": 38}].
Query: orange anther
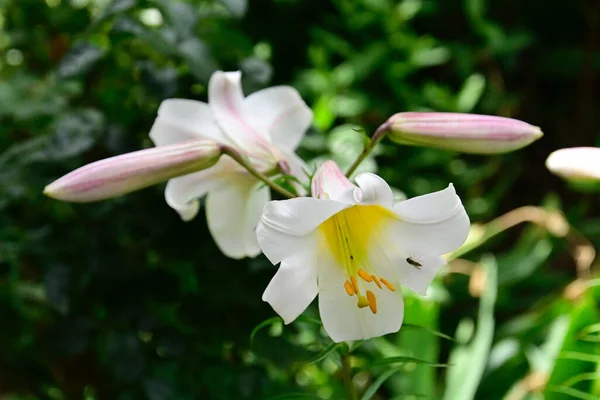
[
  {"x": 354, "y": 285},
  {"x": 372, "y": 301},
  {"x": 349, "y": 288},
  {"x": 389, "y": 285},
  {"x": 363, "y": 274},
  {"x": 376, "y": 279}
]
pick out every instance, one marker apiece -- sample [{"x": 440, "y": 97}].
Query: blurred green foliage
[{"x": 122, "y": 300}]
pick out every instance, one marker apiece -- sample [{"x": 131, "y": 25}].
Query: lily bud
[
  {"x": 466, "y": 133},
  {"x": 126, "y": 173},
  {"x": 575, "y": 164}
]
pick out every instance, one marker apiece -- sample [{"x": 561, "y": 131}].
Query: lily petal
[
  {"x": 430, "y": 225},
  {"x": 329, "y": 182},
  {"x": 182, "y": 119},
  {"x": 285, "y": 225},
  {"x": 232, "y": 213},
  {"x": 293, "y": 287},
  {"x": 417, "y": 277},
  {"x": 375, "y": 190},
  {"x": 182, "y": 192},
  {"x": 226, "y": 99},
  {"x": 282, "y": 112},
  {"x": 341, "y": 317}
]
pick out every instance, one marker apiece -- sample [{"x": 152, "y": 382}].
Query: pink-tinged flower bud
[
  {"x": 466, "y": 133},
  {"x": 575, "y": 164},
  {"x": 126, "y": 173}
]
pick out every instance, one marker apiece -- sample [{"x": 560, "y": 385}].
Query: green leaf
[
  {"x": 295, "y": 396},
  {"x": 405, "y": 360},
  {"x": 470, "y": 93},
  {"x": 469, "y": 360},
  {"x": 324, "y": 353},
  {"x": 80, "y": 59},
  {"x": 576, "y": 394},
  {"x": 372, "y": 390},
  {"x": 428, "y": 330},
  {"x": 262, "y": 325}
]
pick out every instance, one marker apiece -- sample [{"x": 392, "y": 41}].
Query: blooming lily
[
  {"x": 577, "y": 163},
  {"x": 266, "y": 127},
  {"x": 466, "y": 133},
  {"x": 354, "y": 247}
]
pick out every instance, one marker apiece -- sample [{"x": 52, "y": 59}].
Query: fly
[{"x": 414, "y": 263}]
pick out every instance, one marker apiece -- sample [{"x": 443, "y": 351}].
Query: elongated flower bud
[
  {"x": 466, "y": 133},
  {"x": 126, "y": 173},
  {"x": 575, "y": 164}
]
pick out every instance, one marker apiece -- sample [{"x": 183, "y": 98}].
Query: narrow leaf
[
  {"x": 428, "y": 330},
  {"x": 405, "y": 360},
  {"x": 262, "y": 325}
]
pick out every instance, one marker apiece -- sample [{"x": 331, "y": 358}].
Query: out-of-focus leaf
[
  {"x": 374, "y": 387},
  {"x": 469, "y": 360},
  {"x": 262, "y": 325},
  {"x": 428, "y": 330},
  {"x": 237, "y": 7},
  {"x": 470, "y": 93},
  {"x": 572, "y": 393},
  {"x": 405, "y": 360},
  {"x": 182, "y": 16},
  {"x": 80, "y": 59},
  {"x": 56, "y": 285},
  {"x": 160, "y": 82},
  {"x": 198, "y": 58},
  {"x": 158, "y": 389},
  {"x": 257, "y": 70},
  {"x": 324, "y": 353}
]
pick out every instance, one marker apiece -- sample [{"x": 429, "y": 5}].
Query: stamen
[
  {"x": 389, "y": 285},
  {"x": 376, "y": 279},
  {"x": 363, "y": 274},
  {"x": 362, "y": 302},
  {"x": 349, "y": 288},
  {"x": 354, "y": 285},
  {"x": 372, "y": 302}
]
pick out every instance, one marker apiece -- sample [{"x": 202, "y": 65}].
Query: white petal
[
  {"x": 232, "y": 213},
  {"x": 298, "y": 169},
  {"x": 285, "y": 225},
  {"x": 374, "y": 190},
  {"x": 341, "y": 317},
  {"x": 329, "y": 182},
  {"x": 282, "y": 112},
  {"x": 225, "y": 98},
  {"x": 293, "y": 287},
  {"x": 181, "y": 119},
  {"x": 182, "y": 192},
  {"x": 392, "y": 263},
  {"x": 429, "y": 225}
]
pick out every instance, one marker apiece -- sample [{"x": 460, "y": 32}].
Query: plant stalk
[
  {"x": 256, "y": 173},
  {"x": 379, "y": 134},
  {"x": 347, "y": 375}
]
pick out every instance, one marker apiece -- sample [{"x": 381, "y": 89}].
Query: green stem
[
  {"x": 256, "y": 173},
  {"x": 347, "y": 375},
  {"x": 377, "y": 137}
]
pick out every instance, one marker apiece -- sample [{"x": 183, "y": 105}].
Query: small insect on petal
[{"x": 414, "y": 263}]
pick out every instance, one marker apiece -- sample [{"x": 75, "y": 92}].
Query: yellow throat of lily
[{"x": 349, "y": 235}]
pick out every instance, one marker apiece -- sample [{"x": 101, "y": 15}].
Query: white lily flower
[
  {"x": 354, "y": 247},
  {"x": 266, "y": 126}
]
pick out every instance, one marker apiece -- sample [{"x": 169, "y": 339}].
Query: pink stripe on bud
[
  {"x": 576, "y": 164},
  {"x": 466, "y": 133},
  {"x": 126, "y": 173}
]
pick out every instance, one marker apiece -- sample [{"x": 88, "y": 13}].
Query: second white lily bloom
[
  {"x": 266, "y": 127},
  {"x": 354, "y": 247}
]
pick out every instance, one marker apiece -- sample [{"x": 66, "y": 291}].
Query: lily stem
[
  {"x": 256, "y": 173},
  {"x": 347, "y": 375},
  {"x": 377, "y": 137}
]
